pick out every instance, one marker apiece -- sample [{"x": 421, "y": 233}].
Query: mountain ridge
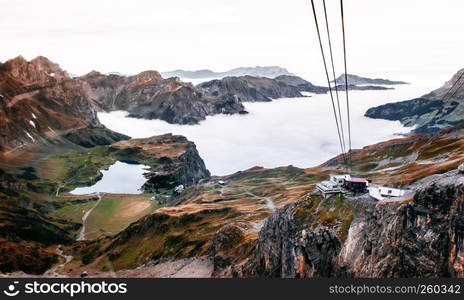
[
  {"x": 261, "y": 89},
  {"x": 148, "y": 95},
  {"x": 268, "y": 71},
  {"x": 40, "y": 103}
]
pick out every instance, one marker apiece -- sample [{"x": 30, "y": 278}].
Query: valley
[
  {"x": 221, "y": 224},
  {"x": 167, "y": 216}
]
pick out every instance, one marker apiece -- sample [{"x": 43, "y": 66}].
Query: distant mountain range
[
  {"x": 357, "y": 80},
  {"x": 269, "y": 72}
]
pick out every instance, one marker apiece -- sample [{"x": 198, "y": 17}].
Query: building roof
[
  {"x": 340, "y": 175},
  {"x": 360, "y": 180}
]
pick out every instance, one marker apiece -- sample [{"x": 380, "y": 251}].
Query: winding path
[
  {"x": 53, "y": 272},
  {"x": 81, "y": 236},
  {"x": 269, "y": 202}
]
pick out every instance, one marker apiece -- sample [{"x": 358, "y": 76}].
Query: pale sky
[{"x": 132, "y": 36}]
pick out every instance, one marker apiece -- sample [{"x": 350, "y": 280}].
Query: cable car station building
[{"x": 341, "y": 184}]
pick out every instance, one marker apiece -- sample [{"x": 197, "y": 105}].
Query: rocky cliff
[
  {"x": 420, "y": 238},
  {"x": 429, "y": 113},
  {"x": 40, "y": 104},
  {"x": 149, "y": 96}
]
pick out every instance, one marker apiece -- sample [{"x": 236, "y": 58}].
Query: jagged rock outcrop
[
  {"x": 40, "y": 103},
  {"x": 149, "y": 96},
  {"x": 286, "y": 250},
  {"x": 224, "y": 244},
  {"x": 421, "y": 238},
  {"x": 429, "y": 113}
]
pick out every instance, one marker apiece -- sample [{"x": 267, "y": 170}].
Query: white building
[
  {"x": 333, "y": 185},
  {"x": 328, "y": 187},
  {"x": 340, "y": 183},
  {"x": 179, "y": 189},
  {"x": 383, "y": 192},
  {"x": 340, "y": 179}
]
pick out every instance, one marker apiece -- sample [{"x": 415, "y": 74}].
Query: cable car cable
[{"x": 327, "y": 74}]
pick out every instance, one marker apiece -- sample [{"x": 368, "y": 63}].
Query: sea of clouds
[{"x": 292, "y": 131}]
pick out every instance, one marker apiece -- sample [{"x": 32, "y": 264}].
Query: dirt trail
[
  {"x": 53, "y": 272},
  {"x": 269, "y": 202},
  {"x": 81, "y": 236}
]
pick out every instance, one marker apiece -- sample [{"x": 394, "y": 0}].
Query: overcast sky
[{"x": 131, "y": 36}]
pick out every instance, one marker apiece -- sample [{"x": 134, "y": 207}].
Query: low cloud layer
[{"x": 298, "y": 131}]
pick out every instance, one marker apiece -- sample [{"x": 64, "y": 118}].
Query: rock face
[
  {"x": 40, "y": 103},
  {"x": 421, "y": 238},
  {"x": 269, "y": 72},
  {"x": 253, "y": 89},
  {"x": 285, "y": 251},
  {"x": 431, "y": 112},
  {"x": 358, "y": 80},
  {"x": 149, "y": 96}
]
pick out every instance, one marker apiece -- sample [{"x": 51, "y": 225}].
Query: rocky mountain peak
[
  {"x": 53, "y": 69},
  {"x": 149, "y": 76},
  {"x": 41, "y": 103},
  {"x": 93, "y": 73},
  {"x": 39, "y": 71},
  {"x": 442, "y": 91}
]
